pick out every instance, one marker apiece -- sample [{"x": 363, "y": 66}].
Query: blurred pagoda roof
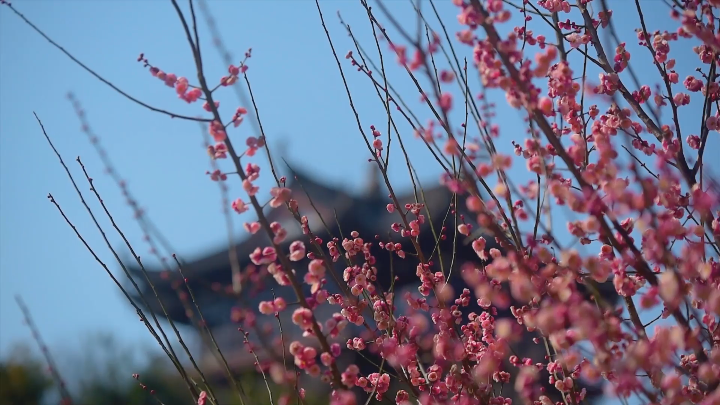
[{"x": 365, "y": 213}]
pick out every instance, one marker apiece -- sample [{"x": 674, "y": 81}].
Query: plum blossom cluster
[
  {"x": 536, "y": 320},
  {"x": 272, "y": 307}
]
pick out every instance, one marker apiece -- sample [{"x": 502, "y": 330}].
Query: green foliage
[
  {"x": 166, "y": 389},
  {"x": 23, "y": 379},
  {"x": 107, "y": 370},
  {"x": 103, "y": 374}
]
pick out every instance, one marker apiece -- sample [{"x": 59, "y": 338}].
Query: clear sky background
[{"x": 302, "y": 104}]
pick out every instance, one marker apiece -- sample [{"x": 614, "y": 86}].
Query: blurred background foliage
[
  {"x": 23, "y": 378},
  {"x": 101, "y": 373}
]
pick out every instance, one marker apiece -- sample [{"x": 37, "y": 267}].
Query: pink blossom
[
  {"x": 341, "y": 397},
  {"x": 249, "y": 187},
  {"x": 217, "y": 175},
  {"x": 445, "y": 102},
  {"x": 207, "y": 108},
  {"x": 252, "y": 227},
  {"x": 297, "y": 251},
  {"x": 252, "y": 171},
  {"x": 217, "y": 130},
  {"x": 272, "y": 307},
  {"x": 280, "y": 196},
  {"x": 192, "y": 95},
  {"x": 263, "y": 256},
  {"x": 239, "y": 206},
  {"x": 279, "y": 232},
  {"x": 713, "y": 123},
  {"x": 181, "y": 85},
  {"x": 302, "y": 317}
]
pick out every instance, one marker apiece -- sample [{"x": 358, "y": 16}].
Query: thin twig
[
  {"x": 54, "y": 370},
  {"x": 96, "y": 75}
]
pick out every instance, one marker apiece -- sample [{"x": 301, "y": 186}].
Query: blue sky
[
  {"x": 302, "y": 104},
  {"x": 298, "y": 90}
]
